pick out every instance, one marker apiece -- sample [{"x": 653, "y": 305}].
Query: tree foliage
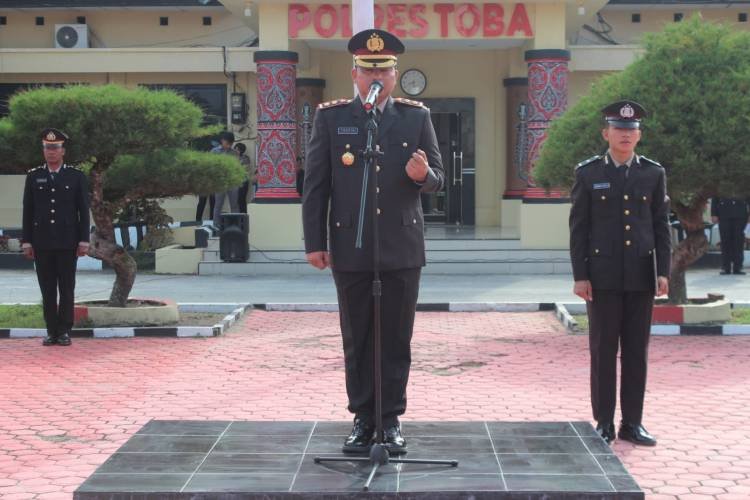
[
  {"x": 133, "y": 145},
  {"x": 694, "y": 79}
]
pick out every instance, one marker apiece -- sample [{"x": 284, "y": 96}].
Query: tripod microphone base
[{"x": 379, "y": 456}]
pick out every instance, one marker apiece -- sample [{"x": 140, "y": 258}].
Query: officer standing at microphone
[{"x": 410, "y": 165}]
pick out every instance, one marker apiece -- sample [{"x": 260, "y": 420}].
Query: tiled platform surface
[{"x": 264, "y": 460}]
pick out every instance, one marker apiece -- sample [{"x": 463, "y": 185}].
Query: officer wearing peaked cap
[
  {"x": 620, "y": 252},
  {"x": 56, "y": 232},
  {"x": 410, "y": 165}
]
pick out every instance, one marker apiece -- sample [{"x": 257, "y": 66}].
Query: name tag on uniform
[
  {"x": 602, "y": 185},
  {"x": 348, "y": 131},
  {"x": 41, "y": 180}
]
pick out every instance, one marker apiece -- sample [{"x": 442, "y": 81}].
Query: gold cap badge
[{"x": 375, "y": 43}]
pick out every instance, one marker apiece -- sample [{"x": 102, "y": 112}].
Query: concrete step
[
  {"x": 454, "y": 267},
  {"x": 472, "y": 255}
]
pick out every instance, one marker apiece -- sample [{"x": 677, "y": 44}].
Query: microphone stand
[{"x": 379, "y": 455}]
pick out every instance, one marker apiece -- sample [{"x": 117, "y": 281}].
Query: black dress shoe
[
  {"x": 360, "y": 438},
  {"x": 606, "y": 431},
  {"x": 724, "y": 272},
  {"x": 50, "y": 340},
  {"x": 394, "y": 441},
  {"x": 739, "y": 271},
  {"x": 64, "y": 339},
  {"x": 636, "y": 434}
]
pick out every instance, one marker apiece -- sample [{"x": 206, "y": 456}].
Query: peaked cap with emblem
[
  {"x": 54, "y": 136},
  {"x": 374, "y": 48},
  {"x": 624, "y": 114}
]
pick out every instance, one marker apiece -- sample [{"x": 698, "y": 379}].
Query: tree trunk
[
  {"x": 689, "y": 250},
  {"x": 103, "y": 245}
]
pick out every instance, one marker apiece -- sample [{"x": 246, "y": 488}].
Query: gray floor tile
[
  {"x": 245, "y": 462},
  {"x": 551, "y": 484},
  {"x": 261, "y": 444},
  {"x": 566, "y": 445},
  {"x": 136, "y": 483},
  {"x": 184, "y": 427},
  {"x": 168, "y": 444},
  {"x": 270, "y": 428},
  {"x": 153, "y": 463},
  {"x": 240, "y": 483},
  {"x": 531, "y": 429},
  {"x": 549, "y": 464},
  {"x": 452, "y": 482}
]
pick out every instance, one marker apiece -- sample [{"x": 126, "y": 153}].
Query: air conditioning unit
[{"x": 71, "y": 36}]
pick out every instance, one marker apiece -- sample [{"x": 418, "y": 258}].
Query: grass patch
[
  {"x": 740, "y": 316},
  {"x": 21, "y": 316},
  {"x": 31, "y": 316},
  {"x": 583, "y": 322}
]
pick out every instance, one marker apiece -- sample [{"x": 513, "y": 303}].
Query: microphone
[{"x": 372, "y": 96}]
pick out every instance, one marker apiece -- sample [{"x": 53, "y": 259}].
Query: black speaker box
[{"x": 233, "y": 243}]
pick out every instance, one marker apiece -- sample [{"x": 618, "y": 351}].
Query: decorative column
[
  {"x": 309, "y": 95},
  {"x": 517, "y": 115},
  {"x": 548, "y": 98},
  {"x": 277, "y": 126}
]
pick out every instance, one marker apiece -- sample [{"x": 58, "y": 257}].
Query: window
[
  {"x": 163, "y": 21},
  {"x": 3, "y": 20},
  {"x": 636, "y": 18},
  {"x": 40, "y": 21},
  {"x": 212, "y": 99},
  {"x": 678, "y": 17},
  {"x": 741, "y": 17},
  {"x": 207, "y": 21},
  {"x": 81, "y": 19}
]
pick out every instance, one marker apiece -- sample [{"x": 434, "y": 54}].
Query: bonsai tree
[
  {"x": 131, "y": 143},
  {"x": 694, "y": 79}
]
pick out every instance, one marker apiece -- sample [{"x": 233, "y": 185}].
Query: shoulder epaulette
[
  {"x": 649, "y": 160},
  {"x": 35, "y": 169},
  {"x": 334, "y": 103},
  {"x": 590, "y": 160},
  {"x": 408, "y": 102}
]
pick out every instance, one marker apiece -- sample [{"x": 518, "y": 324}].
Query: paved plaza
[{"x": 64, "y": 411}]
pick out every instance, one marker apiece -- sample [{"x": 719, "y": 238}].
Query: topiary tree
[
  {"x": 694, "y": 79},
  {"x": 132, "y": 145}
]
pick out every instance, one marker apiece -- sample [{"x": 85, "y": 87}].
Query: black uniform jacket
[
  {"x": 729, "y": 208},
  {"x": 55, "y": 212},
  {"x": 619, "y": 230},
  {"x": 339, "y": 128}
]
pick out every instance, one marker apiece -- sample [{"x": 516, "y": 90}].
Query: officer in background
[
  {"x": 56, "y": 232},
  {"x": 732, "y": 216},
  {"x": 411, "y": 165},
  {"x": 620, "y": 251}
]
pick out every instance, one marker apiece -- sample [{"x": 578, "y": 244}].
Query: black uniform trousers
[
  {"x": 619, "y": 319},
  {"x": 732, "y": 233},
  {"x": 356, "y": 313},
  {"x": 202, "y": 206},
  {"x": 56, "y": 271}
]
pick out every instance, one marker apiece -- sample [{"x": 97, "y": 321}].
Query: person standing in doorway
[{"x": 226, "y": 141}]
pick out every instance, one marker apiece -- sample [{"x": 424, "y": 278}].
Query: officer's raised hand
[
  {"x": 417, "y": 168},
  {"x": 320, "y": 260},
  {"x": 582, "y": 288}
]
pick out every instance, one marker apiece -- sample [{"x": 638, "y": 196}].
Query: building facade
[{"x": 494, "y": 75}]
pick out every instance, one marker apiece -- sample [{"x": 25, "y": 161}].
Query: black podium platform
[{"x": 266, "y": 460}]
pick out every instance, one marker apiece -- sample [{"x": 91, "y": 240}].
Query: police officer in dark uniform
[
  {"x": 411, "y": 165},
  {"x": 732, "y": 216},
  {"x": 56, "y": 232},
  {"x": 620, "y": 251}
]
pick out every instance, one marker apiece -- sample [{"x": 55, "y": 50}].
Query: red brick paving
[{"x": 63, "y": 411}]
